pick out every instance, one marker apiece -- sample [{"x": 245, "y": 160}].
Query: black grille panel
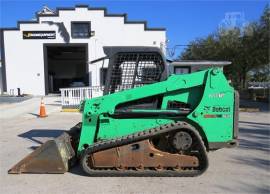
[{"x": 131, "y": 70}]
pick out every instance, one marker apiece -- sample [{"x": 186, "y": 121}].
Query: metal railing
[
  {"x": 258, "y": 85},
  {"x": 71, "y": 97}
]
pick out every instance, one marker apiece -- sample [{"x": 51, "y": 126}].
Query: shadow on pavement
[
  {"x": 13, "y": 99},
  {"x": 53, "y": 104},
  {"x": 254, "y": 123},
  {"x": 77, "y": 170},
  {"x": 254, "y": 145},
  {"x": 263, "y": 106},
  {"x": 263, "y": 164},
  {"x": 254, "y": 136},
  {"x": 38, "y": 135},
  {"x": 34, "y": 114},
  {"x": 246, "y": 188}
]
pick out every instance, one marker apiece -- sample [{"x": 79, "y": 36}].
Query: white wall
[
  {"x": 1, "y": 83},
  {"x": 25, "y": 60}
]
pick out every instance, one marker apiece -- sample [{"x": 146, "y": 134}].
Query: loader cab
[
  {"x": 131, "y": 67},
  {"x": 186, "y": 67}
]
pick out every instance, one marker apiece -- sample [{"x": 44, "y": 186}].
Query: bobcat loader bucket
[{"x": 51, "y": 157}]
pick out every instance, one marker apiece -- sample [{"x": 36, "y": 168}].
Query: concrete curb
[
  {"x": 70, "y": 110},
  {"x": 249, "y": 109}
]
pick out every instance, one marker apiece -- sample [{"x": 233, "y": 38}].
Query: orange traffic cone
[{"x": 42, "y": 110}]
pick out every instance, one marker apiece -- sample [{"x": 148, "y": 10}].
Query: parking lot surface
[{"x": 244, "y": 169}]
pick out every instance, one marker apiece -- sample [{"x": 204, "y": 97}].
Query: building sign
[{"x": 39, "y": 34}]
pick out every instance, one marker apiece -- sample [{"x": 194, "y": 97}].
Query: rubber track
[{"x": 146, "y": 134}]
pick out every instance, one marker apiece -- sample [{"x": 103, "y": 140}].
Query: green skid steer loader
[{"x": 147, "y": 123}]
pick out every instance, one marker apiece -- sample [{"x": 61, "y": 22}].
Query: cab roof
[{"x": 200, "y": 63}]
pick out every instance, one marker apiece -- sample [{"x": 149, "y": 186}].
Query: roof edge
[
  {"x": 106, "y": 14},
  {"x": 201, "y": 62}
]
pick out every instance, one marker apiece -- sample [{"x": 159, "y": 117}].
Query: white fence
[
  {"x": 71, "y": 97},
  {"x": 258, "y": 85}
]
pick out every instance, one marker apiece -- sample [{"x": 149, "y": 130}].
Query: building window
[
  {"x": 103, "y": 75},
  {"x": 181, "y": 70},
  {"x": 80, "y": 29}
]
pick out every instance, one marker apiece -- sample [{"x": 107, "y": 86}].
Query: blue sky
[{"x": 184, "y": 20}]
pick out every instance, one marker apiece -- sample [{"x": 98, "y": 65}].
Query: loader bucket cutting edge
[{"x": 50, "y": 157}]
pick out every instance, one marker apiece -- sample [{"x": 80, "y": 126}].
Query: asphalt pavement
[{"x": 245, "y": 169}]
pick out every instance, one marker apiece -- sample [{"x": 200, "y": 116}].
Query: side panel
[
  {"x": 120, "y": 127},
  {"x": 215, "y": 112}
]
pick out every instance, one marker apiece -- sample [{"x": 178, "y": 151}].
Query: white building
[
  {"x": 53, "y": 51},
  {"x": 1, "y": 86}
]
